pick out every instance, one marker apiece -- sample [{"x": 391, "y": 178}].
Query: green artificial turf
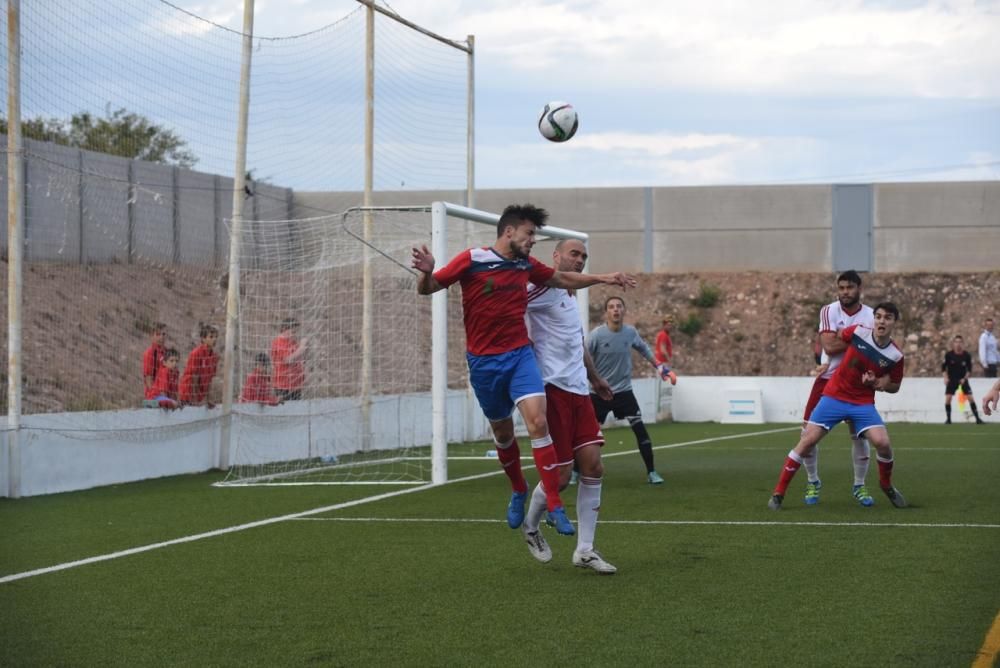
[{"x": 708, "y": 576}]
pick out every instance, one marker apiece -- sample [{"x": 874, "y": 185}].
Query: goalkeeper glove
[{"x": 667, "y": 374}]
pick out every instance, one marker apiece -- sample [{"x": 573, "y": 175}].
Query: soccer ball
[{"x": 558, "y": 121}]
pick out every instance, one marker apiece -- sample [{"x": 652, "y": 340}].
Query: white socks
[
  {"x": 861, "y": 451},
  {"x": 588, "y": 503}
]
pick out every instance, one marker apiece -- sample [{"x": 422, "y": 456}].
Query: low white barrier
[{"x": 69, "y": 451}]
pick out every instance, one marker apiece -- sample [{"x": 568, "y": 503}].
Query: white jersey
[
  {"x": 554, "y": 327},
  {"x": 832, "y": 318}
]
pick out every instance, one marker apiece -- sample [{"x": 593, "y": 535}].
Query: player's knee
[
  {"x": 879, "y": 441},
  {"x": 503, "y": 432},
  {"x": 592, "y": 469},
  {"x": 537, "y": 425}
]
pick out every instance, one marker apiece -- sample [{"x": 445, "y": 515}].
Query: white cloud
[
  {"x": 641, "y": 159},
  {"x": 934, "y": 48}
]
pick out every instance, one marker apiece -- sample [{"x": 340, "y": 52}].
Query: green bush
[
  {"x": 708, "y": 296},
  {"x": 691, "y": 325}
]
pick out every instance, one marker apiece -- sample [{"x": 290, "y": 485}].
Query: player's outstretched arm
[
  {"x": 990, "y": 399},
  {"x": 423, "y": 262},
  {"x": 572, "y": 280}
]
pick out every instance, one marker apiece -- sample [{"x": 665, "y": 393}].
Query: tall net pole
[
  {"x": 366, "y": 278},
  {"x": 235, "y": 237},
  {"x": 15, "y": 244}
]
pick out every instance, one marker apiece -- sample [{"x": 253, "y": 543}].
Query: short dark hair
[
  {"x": 515, "y": 214},
  {"x": 261, "y": 359},
  {"x": 204, "y": 330},
  {"x": 611, "y": 299},
  {"x": 289, "y": 323},
  {"x": 957, "y": 336},
  {"x": 171, "y": 352},
  {"x": 159, "y": 328},
  {"x": 887, "y": 307},
  {"x": 850, "y": 276}
]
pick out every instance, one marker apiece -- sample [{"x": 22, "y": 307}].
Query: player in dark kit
[{"x": 957, "y": 368}]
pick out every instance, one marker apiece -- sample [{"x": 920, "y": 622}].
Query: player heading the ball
[{"x": 503, "y": 371}]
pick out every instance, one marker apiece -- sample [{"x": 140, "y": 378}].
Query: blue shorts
[
  {"x": 502, "y": 380},
  {"x": 830, "y": 411}
]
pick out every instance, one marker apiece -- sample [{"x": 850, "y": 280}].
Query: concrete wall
[
  {"x": 947, "y": 227},
  {"x": 83, "y": 207},
  {"x": 915, "y": 227},
  {"x": 55, "y": 458},
  {"x": 89, "y": 207}
]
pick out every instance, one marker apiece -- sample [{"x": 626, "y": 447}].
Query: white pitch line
[
  {"x": 669, "y": 446},
  {"x": 752, "y": 523},
  {"x": 315, "y": 511}
]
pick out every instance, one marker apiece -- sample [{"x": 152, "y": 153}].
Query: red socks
[
  {"x": 884, "y": 473},
  {"x": 547, "y": 464},
  {"x": 788, "y": 471},
  {"x": 510, "y": 460}
]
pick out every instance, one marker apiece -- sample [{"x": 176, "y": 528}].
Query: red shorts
[
  {"x": 572, "y": 423},
  {"x": 814, "y": 396}
]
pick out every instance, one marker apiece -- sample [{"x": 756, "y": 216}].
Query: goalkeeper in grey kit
[{"x": 611, "y": 346}]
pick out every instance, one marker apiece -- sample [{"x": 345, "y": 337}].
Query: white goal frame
[{"x": 440, "y": 211}]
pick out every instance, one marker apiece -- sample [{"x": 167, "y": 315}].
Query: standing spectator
[
  {"x": 289, "y": 367},
  {"x": 664, "y": 349},
  {"x": 957, "y": 368},
  {"x": 200, "y": 369},
  {"x": 165, "y": 387},
  {"x": 152, "y": 359},
  {"x": 610, "y": 345},
  {"x": 989, "y": 356},
  {"x": 257, "y": 386}
]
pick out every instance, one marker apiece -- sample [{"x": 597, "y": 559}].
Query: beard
[
  {"x": 519, "y": 250},
  {"x": 850, "y": 302}
]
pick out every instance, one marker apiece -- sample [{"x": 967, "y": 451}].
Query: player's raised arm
[
  {"x": 423, "y": 262},
  {"x": 572, "y": 280}
]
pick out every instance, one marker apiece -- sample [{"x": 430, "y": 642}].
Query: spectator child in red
[
  {"x": 257, "y": 386},
  {"x": 664, "y": 349},
  {"x": 289, "y": 366},
  {"x": 165, "y": 387},
  {"x": 152, "y": 359},
  {"x": 200, "y": 369}
]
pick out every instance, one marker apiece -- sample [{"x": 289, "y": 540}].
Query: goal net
[
  {"x": 336, "y": 296},
  {"x": 366, "y": 398},
  {"x": 129, "y": 125}
]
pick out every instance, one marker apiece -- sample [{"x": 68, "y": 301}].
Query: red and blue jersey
[
  {"x": 863, "y": 354},
  {"x": 494, "y": 297}
]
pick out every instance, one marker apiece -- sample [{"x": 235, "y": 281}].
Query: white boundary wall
[{"x": 53, "y": 462}]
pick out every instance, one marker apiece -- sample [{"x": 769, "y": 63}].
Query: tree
[{"x": 118, "y": 132}]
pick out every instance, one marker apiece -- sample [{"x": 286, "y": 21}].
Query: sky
[{"x": 709, "y": 92}]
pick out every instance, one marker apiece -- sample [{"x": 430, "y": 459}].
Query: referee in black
[{"x": 956, "y": 367}]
